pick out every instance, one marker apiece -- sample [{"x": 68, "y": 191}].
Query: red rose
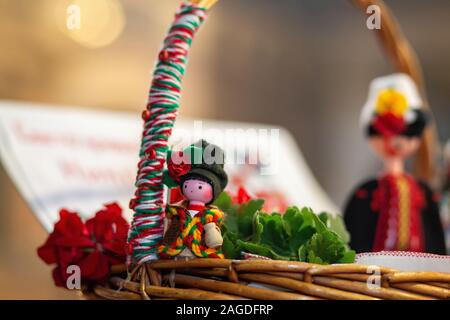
[
  {"x": 178, "y": 168},
  {"x": 94, "y": 246},
  {"x": 389, "y": 124}
]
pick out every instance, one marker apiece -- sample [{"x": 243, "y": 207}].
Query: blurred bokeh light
[{"x": 102, "y": 21}]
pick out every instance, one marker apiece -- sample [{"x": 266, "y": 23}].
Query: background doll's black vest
[{"x": 361, "y": 220}]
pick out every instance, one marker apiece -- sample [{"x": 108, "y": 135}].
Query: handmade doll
[
  {"x": 193, "y": 226},
  {"x": 394, "y": 211}
]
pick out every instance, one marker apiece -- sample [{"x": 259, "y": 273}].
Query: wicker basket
[
  {"x": 206, "y": 279},
  {"x": 201, "y": 279}
]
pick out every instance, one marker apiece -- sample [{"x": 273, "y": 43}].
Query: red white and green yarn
[{"x": 147, "y": 229}]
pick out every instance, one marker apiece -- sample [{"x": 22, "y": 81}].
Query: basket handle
[
  {"x": 159, "y": 116},
  {"x": 405, "y": 60}
]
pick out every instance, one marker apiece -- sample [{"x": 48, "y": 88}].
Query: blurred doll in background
[
  {"x": 394, "y": 211},
  {"x": 445, "y": 208}
]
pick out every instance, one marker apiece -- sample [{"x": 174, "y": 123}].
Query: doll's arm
[
  {"x": 213, "y": 235},
  {"x": 214, "y": 214},
  {"x": 360, "y": 219},
  {"x": 431, "y": 221}
]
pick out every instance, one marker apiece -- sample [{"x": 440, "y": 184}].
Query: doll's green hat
[{"x": 207, "y": 164}]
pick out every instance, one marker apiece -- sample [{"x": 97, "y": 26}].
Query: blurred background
[{"x": 301, "y": 64}]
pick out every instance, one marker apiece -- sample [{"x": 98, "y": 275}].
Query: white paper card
[{"x": 80, "y": 159}]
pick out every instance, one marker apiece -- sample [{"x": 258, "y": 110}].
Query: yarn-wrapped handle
[{"x": 146, "y": 231}]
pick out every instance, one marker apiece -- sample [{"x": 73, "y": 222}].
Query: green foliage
[
  {"x": 298, "y": 234},
  {"x": 335, "y": 223}
]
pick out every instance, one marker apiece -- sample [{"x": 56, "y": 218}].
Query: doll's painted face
[
  {"x": 197, "y": 190},
  {"x": 399, "y": 147}
]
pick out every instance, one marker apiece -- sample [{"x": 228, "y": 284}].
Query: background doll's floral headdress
[{"x": 393, "y": 107}]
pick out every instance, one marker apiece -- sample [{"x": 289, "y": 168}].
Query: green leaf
[
  {"x": 299, "y": 234},
  {"x": 349, "y": 257},
  {"x": 327, "y": 246},
  {"x": 293, "y": 220},
  {"x": 336, "y": 223},
  {"x": 302, "y": 254},
  {"x": 223, "y": 201},
  {"x": 229, "y": 247},
  {"x": 260, "y": 249},
  {"x": 300, "y": 238},
  {"x": 317, "y": 222},
  {"x": 245, "y": 217},
  {"x": 323, "y": 216},
  {"x": 271, "y": 233},
  {"x": 299, "y": 227}
]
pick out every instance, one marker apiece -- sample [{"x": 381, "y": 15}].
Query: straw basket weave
[
  {"x": 217, "y": 279},
  {"x": 223, "y": 279}
]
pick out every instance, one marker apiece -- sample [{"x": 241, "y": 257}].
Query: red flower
[
  {"x": 176, "y": 170},
  {"x": 241, "y": 196},
  {"x": 389, "y": 124},
  {"x": 176, "y": 196},
  {"x": 94, "y": 246}
]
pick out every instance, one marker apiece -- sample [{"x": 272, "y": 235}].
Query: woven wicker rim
[{"x": 224, "y": 279}]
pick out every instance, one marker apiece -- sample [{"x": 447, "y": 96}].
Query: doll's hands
[{"x": 213, "y": 236}]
